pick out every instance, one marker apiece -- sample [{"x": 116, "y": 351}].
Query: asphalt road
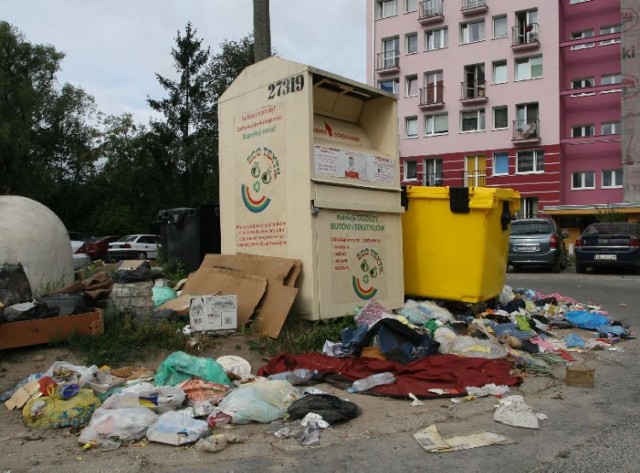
[{"x": 587, "y": 430}]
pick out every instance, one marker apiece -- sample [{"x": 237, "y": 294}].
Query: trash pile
[
  {"x": 424, "y": 350},
  {"x": 181, "y": 403}
]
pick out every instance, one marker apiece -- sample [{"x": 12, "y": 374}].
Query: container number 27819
[{"x": 286, "y": 86}]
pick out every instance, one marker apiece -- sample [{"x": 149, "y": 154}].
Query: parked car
[
  {"x": 608, "y": 244},
  {"x": 97, "y": 247},
  {"x": 80, "y": 257},
  {"x": 537, "y": 242},
  {"x": 139, "y": 246}
]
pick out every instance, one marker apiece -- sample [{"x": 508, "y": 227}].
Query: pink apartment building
[{"x": 522, "y": 94}]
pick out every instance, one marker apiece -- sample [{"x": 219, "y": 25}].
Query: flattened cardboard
[
  {"x": 221, "y": 281},
  {"x": 281, "y": 273},
  {"x": 213, "y": 313},
  {"x": 274, "y": 309},
  {"x": 22, "y": 395},
  {"x": 273, "y": 268}
]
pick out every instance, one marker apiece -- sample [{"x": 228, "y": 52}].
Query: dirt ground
[{"x": 27, "y": 450}]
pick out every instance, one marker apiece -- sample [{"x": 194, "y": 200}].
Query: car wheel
[
  {"x": 581, "y": 268},
  {"x": 142, "y": 255}
]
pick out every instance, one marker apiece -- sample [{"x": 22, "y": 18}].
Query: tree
[
  {"x": 261, "y": 30},
  {"x": 189, "y": 122},
  {"x": 46, "y": 139}
]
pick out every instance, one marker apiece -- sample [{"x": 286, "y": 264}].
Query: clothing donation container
[{"x": 309, "y": 170}]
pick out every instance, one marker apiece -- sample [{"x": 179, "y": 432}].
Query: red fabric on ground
[{"x": 451, "y": 373}]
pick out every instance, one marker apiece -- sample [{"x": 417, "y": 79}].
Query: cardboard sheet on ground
[
  {"x": 281, "y": 274},
  {"x": 431, "y": 440},
  {"x": 220, "y": 281}
]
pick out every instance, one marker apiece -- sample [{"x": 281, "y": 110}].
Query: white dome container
[{"x": 33, "y": 235}]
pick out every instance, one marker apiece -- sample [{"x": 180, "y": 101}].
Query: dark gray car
[{"x": 537, "y": 242}]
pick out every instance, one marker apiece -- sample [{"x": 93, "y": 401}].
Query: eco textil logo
[
  {"x": 370, "y": 267},
  {"x": 264, "y": 169}
]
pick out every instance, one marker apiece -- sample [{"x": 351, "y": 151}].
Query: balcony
[
  {"x": 432, "y": 97},
  {"x": 388, "y": 62},
  {"x": 474, "y": 7},
  {"x": 430, "y": 11},
  {"x": 526, "y": 132},
  {"x": 524, "y": 38},
  {"x": 473, "y": 92}
]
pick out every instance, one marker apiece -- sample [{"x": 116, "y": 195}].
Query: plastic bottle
[
  {"x": 299, "y": 376},
  {"x": 372, "y": 381}
]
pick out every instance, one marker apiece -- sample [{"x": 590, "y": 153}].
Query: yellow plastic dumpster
[{"x": 456, "y": 241}]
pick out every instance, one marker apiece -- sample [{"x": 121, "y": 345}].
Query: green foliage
[
  {"x": 303, "y": 336},
  {"x": 608, "y": 214},
  {"x": 127, "y": 339}
]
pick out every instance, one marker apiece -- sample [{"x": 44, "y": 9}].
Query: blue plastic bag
[
  {"x": 574, "y": 340},
  {"x": 587, "y": 320}
]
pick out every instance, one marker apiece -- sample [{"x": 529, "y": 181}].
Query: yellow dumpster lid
[{"x": 479, "y": 197}]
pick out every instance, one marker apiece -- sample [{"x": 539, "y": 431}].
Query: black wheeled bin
[{"x": 190, "y": 233}]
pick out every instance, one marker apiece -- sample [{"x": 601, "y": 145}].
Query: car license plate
[
  {"x": 526, "y": 249},
  {"x": 605, "y": 257}
]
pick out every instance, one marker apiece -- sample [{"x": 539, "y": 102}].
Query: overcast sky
[{"x": 114, "y": 47}]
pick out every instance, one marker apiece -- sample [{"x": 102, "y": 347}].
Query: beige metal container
[{"x": 309, "y": 170}]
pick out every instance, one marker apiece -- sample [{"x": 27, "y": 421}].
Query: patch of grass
[
  {"x": 302, "y": 336},
  {"x": 563, "y": 454},
  {"x": 127, "y": 338}
]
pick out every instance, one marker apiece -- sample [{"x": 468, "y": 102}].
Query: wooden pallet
[{"x": 40, "y": 331}]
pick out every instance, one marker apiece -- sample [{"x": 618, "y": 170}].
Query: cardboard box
[
  {"x": 580, "y": 376},
  {"x": 213, "y": 313},
  {"x": 40, "y": 331}
]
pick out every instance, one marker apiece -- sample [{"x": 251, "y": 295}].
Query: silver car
[{"x": 537, "y": 242}]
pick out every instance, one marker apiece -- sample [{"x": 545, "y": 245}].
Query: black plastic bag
[
  {"x": 332, "y": 409},
  {"x": 126, "y": 276}
]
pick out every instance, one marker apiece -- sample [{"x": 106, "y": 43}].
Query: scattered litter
[
  {"x": 176, "y": 428},
  {"x": 429, "y": 438},
  {"x": 488, "y": 389},
  {"x": 212, "y": 443},
  {"x": 415, "y": 401},
  {"x": 512, "y": 410}
]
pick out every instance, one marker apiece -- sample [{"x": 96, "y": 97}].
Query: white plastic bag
[
  {"x": 126, "y": 423},
  {"x": 512, "y": 410},
  {"x": 263, "y": 401},
  {"x": 177, "y": 428},
  {"x": 81, "y": 374}
]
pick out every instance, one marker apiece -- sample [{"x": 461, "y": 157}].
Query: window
[
  {"x": 386, "y": 8},
  {"x": 500, "y": 164},
  {"x": 472, "y": 120},
  {"x": 391, "y": 51},
  {"x": 433, "y": 172},
  {"x": 500, "y": 27},
  {"x": 526, "y": 29},
  {"x": 411, "y": 83},
  {"x": 500, "y": 72},
  {"x": 434, "y": 85},
  {"x": 580, "y": 131},
  {"x": 528, "y": 207},
  {"x": 582, "y": 35},
  {"x": 611, "y": 128},
  {"x": 410, "y": 169},
  {"x": 573, "y": 2},
  {"x": 410, "y": 5},
  {"x": 437, "y": 124},
  {"x": 472, "y": 32},
  {"x": 610, "y": 30},
  {"x": 528, "y": 67},
  {"x": 411, "y": 127},
  {"x": 612, "y": 178},
  {"x": 411, "y": 43},
  {"x": 583, "y": 83},
  {"x": 436, "y": 39},
  {"x": 500, "y": 117},
  {"x": 583, "y": 180},
  {"x": 530, "y": 161},
  {"x": 609, "y": 79},
  {"x": 474, "y": 81},
  {"x": 391, "y": 85}
]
